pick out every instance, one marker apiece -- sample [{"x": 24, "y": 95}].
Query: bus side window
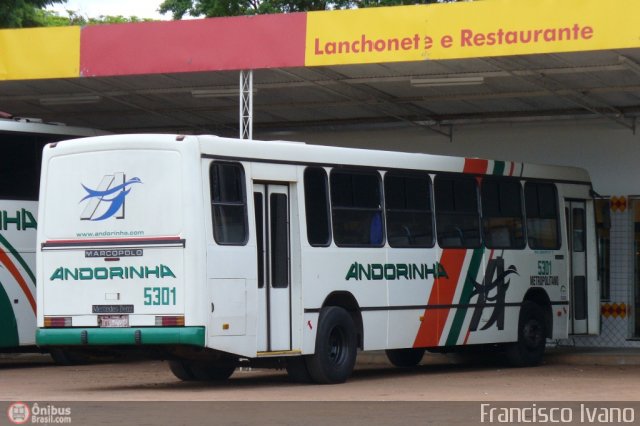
[
  {"x": 408, "y": 209},
  {"x": 502, "y": 216},
  {"x": 228, "y": 203},
  {"x": 20, "y": 166},
  {"x": 316, "y": 201},
  {"x": 356, "y": 208},
  {"x": 457, "y": 215},
  {"x": 541, "y": 208}
]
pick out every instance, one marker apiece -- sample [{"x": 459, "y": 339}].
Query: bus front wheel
[
  {"x": 335, "y": 354},
  {"x": 529, "y": 349}
]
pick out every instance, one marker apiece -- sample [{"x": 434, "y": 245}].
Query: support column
[{"x": 246, "y": 104}]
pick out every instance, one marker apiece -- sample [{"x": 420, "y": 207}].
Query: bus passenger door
[
  {"x": 274, "y": 276},
  {"x": 577, "y": 238}
]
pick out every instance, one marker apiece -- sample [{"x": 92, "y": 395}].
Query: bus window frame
[
  {"x": 523, "y": 225},
  {"x": 243, "y": 180},
  {"x": 478, "y": 211},
  {"x": 380, "y": 209},
  {"x": 327, "y": 196},
  {"x": 430, "y": 202},
  {"x": 558, "y": 218}
]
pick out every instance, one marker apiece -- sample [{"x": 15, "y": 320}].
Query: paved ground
[{"x": 377, "y": 391}]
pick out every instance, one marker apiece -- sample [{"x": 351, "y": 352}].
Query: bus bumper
[{"x": 120, "y": 336}]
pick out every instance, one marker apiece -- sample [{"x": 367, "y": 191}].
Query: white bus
[
  {"x": 21, "y": 143},
  {"x": 217, "y": 252}
]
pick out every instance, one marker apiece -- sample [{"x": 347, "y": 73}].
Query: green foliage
[
  {"x": 23, "y": 13},
  {"x": 212, "y": 8},
  {"x": 31, "y": 13}
]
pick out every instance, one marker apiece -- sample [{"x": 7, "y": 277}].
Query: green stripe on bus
[
  {"x": 498, "y": 168},
  {"x": 121, "y": 336},
  {"x": 8, "y": 325},
  {"x": 15, "y": 254},
  {"x": 465, "y": 297}
]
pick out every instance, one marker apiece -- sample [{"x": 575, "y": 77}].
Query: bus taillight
[
  {"x": 170, "y": 321},
  {"x": 57, "y": 322}
]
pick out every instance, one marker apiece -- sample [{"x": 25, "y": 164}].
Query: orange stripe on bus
[
  {"x": 475, "y": 166},
  {"x": 4, "y": 259},
  {"x": 442, "y": 293},
  {"x": 443, "y": 290}
]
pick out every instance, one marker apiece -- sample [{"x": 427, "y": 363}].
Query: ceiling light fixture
[
  {"x": 446, "y": 81},
  {"x": 216, "y": 93},
  {"x": 70, "y": 100}
]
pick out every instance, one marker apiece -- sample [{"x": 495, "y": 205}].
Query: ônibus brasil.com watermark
[
  {"x": 21, "y": 413},
  {"x": 537, "y": 413}
]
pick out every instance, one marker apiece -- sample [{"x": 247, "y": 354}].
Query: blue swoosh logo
[{"x": 116, "y": 201}]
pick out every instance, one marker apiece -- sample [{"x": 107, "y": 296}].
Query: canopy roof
[{"x": 427, "y": 65}]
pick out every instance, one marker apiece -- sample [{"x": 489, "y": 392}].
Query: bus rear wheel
[
  {"x": 529, "y": 349},
  {"x": 405, "y": 358},
  {"x": 335, "y": 354},
  {"x": 201, "y": 371}
]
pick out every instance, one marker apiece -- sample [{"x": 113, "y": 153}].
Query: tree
[
  {"x": 53, "y": 19},
  {"x": 212, "y": 8},
  {"x": 23, "y": 13},
  {"x": 32, "y": 13}
]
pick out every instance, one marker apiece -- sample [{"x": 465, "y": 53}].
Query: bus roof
[
  {"x": 301, "y": 153},
  {"x": 36, "y": 126},
  {"x": 285, "y": 152}
]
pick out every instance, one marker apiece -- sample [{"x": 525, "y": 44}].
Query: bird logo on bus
[{"x": 108, "y": 199}]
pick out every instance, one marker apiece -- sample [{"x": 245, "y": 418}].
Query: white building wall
[{"x": 609, "y": 151}]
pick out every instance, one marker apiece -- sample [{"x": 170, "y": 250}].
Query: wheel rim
[
  {"x": 337, "y": 346},
  {"x": 532, "y": 334}
]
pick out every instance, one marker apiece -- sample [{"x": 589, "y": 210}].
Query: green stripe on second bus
[
  {"x": 19, "y": 258},
  {"x": 8, "y": 324}
]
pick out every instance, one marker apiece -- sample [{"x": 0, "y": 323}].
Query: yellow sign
[
  {"x": 39, "y": 53},
  {"x": 470, "y": 29}
]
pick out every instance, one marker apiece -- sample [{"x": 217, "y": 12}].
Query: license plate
[{"x": 113, "y": 321}]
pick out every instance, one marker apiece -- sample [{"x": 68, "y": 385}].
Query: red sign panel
[{"x": 245, "y": 42}]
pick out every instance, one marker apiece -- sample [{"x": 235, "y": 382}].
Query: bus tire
[
  {"x": 335, "y": 354},
  {"x": 181, "y": 370},
  {"x": 204, "y": 371},
  {"x": 405, "y": 358},
  {"x": 529, "y": 349},
  {"x": 297, "y": 370}
]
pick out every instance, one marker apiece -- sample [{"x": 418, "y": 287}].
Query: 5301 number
[{"x": 159, "y": 296}]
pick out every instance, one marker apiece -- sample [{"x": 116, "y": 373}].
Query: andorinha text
[
  {"x": 22, "y": 220},
  {"x": 111, "y": 273},
  {"x": 466, "y": 38},
  {"x": 394, "y": 271}
]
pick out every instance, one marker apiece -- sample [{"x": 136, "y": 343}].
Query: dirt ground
[
  {"x": 440, "y": 378},
  {"x": 443, "y": 391}
]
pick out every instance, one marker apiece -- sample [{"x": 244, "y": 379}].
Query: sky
[{"x": 95, "y": 8}]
